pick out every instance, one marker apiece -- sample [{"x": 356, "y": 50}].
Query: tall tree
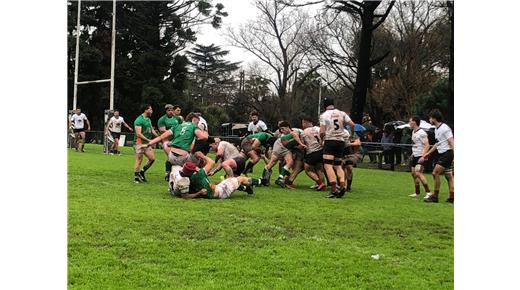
[{"x": 212, "y": 74}]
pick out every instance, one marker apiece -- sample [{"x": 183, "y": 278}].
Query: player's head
[
  {"x": 169, "y": 110},
  {"x": 146, "y": 109},
  {"x": 254, "y": 116},
  {"x": 78, "y": 110},
  {"x": 306, "y": 122},
  {"x": 116, "y": 113},
  {"x": 435, "y": 116},
  {"x": 284, "y": 127},
  {"x": 414, "y": 122},
  {"x": 177, "y": 110},
  {"x": 192, "y": 117},
  {"x": 213, "y": 142},
  {"x": 181, "y": 186},
  {"x": 328, "y": 101}
]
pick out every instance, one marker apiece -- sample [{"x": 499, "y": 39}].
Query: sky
[{"x": 239, "y": 12}]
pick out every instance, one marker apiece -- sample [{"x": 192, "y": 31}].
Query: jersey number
[{"x": 336, "y": 125}]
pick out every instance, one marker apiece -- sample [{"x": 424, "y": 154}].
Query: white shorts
[
  {"x": 180, "y": 160},
  {"x": 178, "y": 184},
  {"x": 226, "y": 187}
]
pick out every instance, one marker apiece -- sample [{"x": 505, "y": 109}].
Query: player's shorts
[
  {"x": 142, "y": 149},
  {"x": 241, "y": 165},
  {"x": 314, "y": 158},
  {"x": 446, "y": 159},
  {"x": 202, "y": 146},
  {"x": 353, "y": 159},
  {"x": 176, "y": 159},
  {"x": 78, "y": 130},
  {"x": 414, "y": 161},
  {"x": 298, "y": 154},
  {"x": 247, "y": 145},
  {"x": 334, "y": 147},
  {"x": 115, "y": 135},
  {"x": 279, "y": 150},
  {"x": 226, "y": 187}
]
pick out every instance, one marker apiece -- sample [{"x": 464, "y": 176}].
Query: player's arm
[
  {"x": 297, "y": 138},
  {"x": 351, "y": 124},
  {"x": 262, "y": 126},
  {"x": 451, "y": 142},
  {"x": 426, "y": 145},
  {"x": 201, "y": 135},
  {"x": 154, "y": 132},
  {"x": 155, "y": 140},
  {"x": 323, "y": 128},
  {"x": 128, "y": 127},
  {"x": 88, "y": 124},
  {"x": 199, "y": 193}
]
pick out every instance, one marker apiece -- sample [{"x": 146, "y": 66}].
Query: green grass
[{"x": 123, "y": 235}]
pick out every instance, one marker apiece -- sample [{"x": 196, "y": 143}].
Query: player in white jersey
[
  {"x": 420, "y": 147},
  {"x": 77, "y": 121},
  {"x": 179, "y": 179},
  {"x": 256, "y": 125},
  {"x": 201, "y": 145},
  {"x": 444, "y": 146},
  {"x": 313, "y": 160},
  {"x": 332, "y": 122},
  {"x": 233, "y": 162},
  {"x": 114, "y": 127}
]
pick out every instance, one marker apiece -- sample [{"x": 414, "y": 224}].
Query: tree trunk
[
  {"x": 451, "y": 97},
  {"x": 363, "y": 66}
]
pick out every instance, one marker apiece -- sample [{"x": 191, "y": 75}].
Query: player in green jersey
[
  {"x": 143, "y": 133},
  {"x": 166, "y": 122},
  {"x": 251, "y": 146}
]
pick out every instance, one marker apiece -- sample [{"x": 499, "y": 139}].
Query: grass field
[{"x": 123, "y": 235}]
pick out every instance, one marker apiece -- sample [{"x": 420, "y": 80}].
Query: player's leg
[
  {"x": 296, "y": 169},
  {"x": 266, "y": 174},
  {"x": 287, "y": 157},
  {"x": 115, "y": 146},
  {"x": 349, "y": 174},
  {"x": 310, "y": 171},
  {"x": 151, "y": 159},
  {"x": 448, "y": 174},
  {"x": 82, "y": 141},
  {"x": 229, "y": 167},
  {"x": 254, "y": 159},
  {"x": 137, "y": 165},
  {"x": 340, "y": 173},
  {"x": 437, "y": 171},
  {"x": 167, "y": 164},
  {"x": 415, "y": 179},
  {"x": 419, "y": 169}
]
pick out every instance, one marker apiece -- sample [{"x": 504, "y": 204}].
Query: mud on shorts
[
  {"x": 279, "y": 150},
  {"x": 247, "y": 145},
  {"x": 241, "y": 165},
  {"x": 176, "y": 159},
  {"x": 226, "y": 187}
]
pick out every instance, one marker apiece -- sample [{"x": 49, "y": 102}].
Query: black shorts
[
  {"x": 347, "y": 150},
  {"x": 78, "y": 130},
  {"x": 297, "y": 154},
  {"x": 241, "y": 165},
  {"x": 115, "y": 135},
  {"x": 334, "y": 147},
  {"x": 314, "y": 158},
  {"x": 445, "y": 159},
  {"x": 414, "y": 161},
  {"x": 202, "y": 146}
]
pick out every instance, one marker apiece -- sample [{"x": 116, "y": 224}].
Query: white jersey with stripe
[
  {"x": 203, "y": 125},
  {"x": 114, "y": 125},
  {"x": 311, "y": 138},
  {"x": 418, "y": 137},
  {"x": 442, "y": 134},
  {"x": 230, "y": 151},
  {"x": 78, "y": 121},
  {"x": 334, "y": 121}
]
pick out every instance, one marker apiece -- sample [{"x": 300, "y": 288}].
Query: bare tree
[{"x": 273, "y": 37}]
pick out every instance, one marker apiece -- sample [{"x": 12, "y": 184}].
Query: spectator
[
  {"x": 407, "y": 151},
  {"x": 397, "y": 149},
  {"x": 386, "y": 140}
]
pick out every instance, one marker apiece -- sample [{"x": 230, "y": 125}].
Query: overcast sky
[{"x": 239, "y": 12}]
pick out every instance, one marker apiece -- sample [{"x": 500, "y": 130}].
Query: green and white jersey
[
  {"x": 146, "y": 129},
  {"x": 183, "y": 135},
  {"x": 261, "y": 136},
  {"x": 198, "y": 181},
  {"x": 288, "y": 141}
]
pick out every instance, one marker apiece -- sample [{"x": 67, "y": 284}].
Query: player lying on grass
[
  {"x": 201, "y": 187},
  {"x": 183, "y": 136},
  {"x": 233, "y": 161},
  {"x": 179, "y": 178},
  {"x": 282, "y": 151},
  {"x": 251, "y": 146}
]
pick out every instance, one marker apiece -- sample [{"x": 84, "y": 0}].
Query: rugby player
[
  {"x": 143, "y": 133},
  {"x": 313, "y": 160},
  {"x": 78, "y": 120},
  {"x": 251, "y": 146},
  {"x": 233, "y": 161},
  {"x": 114, "y": 126},
  {"x": 166, "y": 122},
  {"x": 332, "y": 122},
  {"x": 419, "y": 148}
]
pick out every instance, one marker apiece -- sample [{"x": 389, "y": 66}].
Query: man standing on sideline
[
  {"x": 445, "y": 147},
  {"x": 166, "y": 122},
  {"x": 256, "y": 125},
  {"x": 143, "y": 133},
  {"x": 114, "y": 127},
  {"x": 332, "y": 122},
  {"x": 78, "y": 120},
  {"x": 419, "y": 148}
]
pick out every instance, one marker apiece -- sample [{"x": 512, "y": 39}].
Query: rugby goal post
[{"x": 112, "y": 66}]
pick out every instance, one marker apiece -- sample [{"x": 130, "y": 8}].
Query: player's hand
[
  {"x": 131, "y": 130},
  {"x": 421, "y": 160},
  {"x": 203, "y": 192},
  {"x": 199, "y": 155},
  {"x": 211, "y": 173}
]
